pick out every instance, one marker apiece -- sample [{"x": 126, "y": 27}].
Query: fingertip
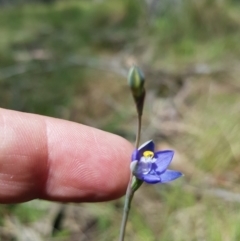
[{"x": 87, "y": 165}]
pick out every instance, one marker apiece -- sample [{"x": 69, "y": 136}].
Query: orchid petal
[
  {"x": 164, "y": 158},
  {"x": 170, "y": 175},
  {"x": 149, "y": 178},
  {"x": 147, "y": 146},
  {"x": 135, "y": 156}
]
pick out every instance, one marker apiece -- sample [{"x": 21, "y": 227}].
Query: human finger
[{"x": 53, "y": 159}]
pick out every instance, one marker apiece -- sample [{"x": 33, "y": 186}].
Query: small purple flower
[{"x": 150, "y": 166}]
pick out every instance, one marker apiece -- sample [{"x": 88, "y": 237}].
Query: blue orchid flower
[{"x": 150, "y": 166}]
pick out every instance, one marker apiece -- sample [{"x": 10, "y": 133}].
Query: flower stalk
[
  {"x": 136, "y": 82},
  {"x": 146, "y": 164}
]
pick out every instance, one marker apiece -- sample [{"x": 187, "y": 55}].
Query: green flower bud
[{"x": 136, "y": 81}]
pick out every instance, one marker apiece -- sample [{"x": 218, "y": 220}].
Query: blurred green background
[{"x": 69, "y": 59}]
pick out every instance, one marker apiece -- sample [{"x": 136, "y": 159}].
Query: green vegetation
[{"x": 58, "y": 60}]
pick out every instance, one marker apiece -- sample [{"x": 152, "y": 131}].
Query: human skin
[{"x": 52, "y": 159}]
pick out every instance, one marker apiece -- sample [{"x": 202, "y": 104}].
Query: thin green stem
[
  {"x": 138, "y": 131},
  {"x": 127, "y": 206},
  {"x": 130, "y": 191}
]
